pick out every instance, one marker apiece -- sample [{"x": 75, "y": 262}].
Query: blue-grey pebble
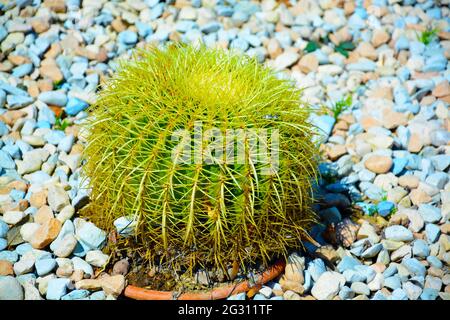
[
  {"x": 435, "y": 262},
  {"x": 76, "y": 295},
  {"x": 429, "y": 294},
  {"x": 398, "y": 233},
  {"x": 3, "y": 229},
  {"x": 10, "y": 289},
  {"x": 414, "y": 266},
  {"x": 420, "y": 248},
  {"x": 430, "y": 213},
  {"x": 57, "y": 98},
  {"x": 127, "y": 37},
  {"x": 3, "y": 244},
  {"x": 432, "y": 232},
  {"x": 57, "y": 288},
  {"x": 399, "y": 294},
  {"x": 6, "y": 160},
  {"x": 393, "y": 282},
  {"x": 45, "y": 266},
  {"x": 16, "y": 101},
  {"x": 347, "y": 263}
]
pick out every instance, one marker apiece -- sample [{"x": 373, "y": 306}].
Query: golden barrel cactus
[{"x": 201, "y": 157}]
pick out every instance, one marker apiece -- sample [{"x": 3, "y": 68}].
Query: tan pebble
[
  {"x": 40, "y": 24},
  {"x": 353, "y": 57},
  {"x": 349, "y": 7},
  {"x": 378, "y": 267},
  {"x": 6, "y": 268},
  {"x": 273, "y": 48},
  {"x": 76, "y": 149},
  {"x": 174, "y": 36},
  {"x": 385, "y": 291},
  {"x": 445, "y": 228},
  {"x": 277, "y": 292},
  {"x": 409, "y": 181},
  {"x": 77, "y": 275},
  {"x": 308, "y": 63},
  {"x": 382, "y": 92},
  {"x": 424, "y": 75},
  {"x": 446, "y": 99},
  {"x": 399, "y": 219},
  {"x": 291, "y": 295},
  {"x": 45, "y": 85},
  {"x": 291, "y": 285},
  {"x": 336, "y": 151},
  {"x": 88, "y": 284},
  {"x": 293, "y": 272},
  {"x": 57, "y": 6},
  {"x": 52, "y": 72},
  {"x": 341, "y": 133},
  {"x": 435, "y": 272},
  {"x": 442, "y": 89},
  {"x": 427, "y": 100},
  {"x": 308, "y": 297},
  {"x": 368, "y": 122},
  {"x": 418, "y": 196},
  {"x": 18, "y": 60},
  {"x": 367, "y": 76},
  {"x": 415, "y": 143},
  {"x": 445, "y": 35},
  {"x": 6, "y": 66},
  {"x": 366, "y": 50},
  {"x": 102, "y": 55},
  {"x": 33, "y": 89},
  {"x": 348, "y": 117},
  {"x": 38, "y": 199},
  {"x": 18, "y": 185},
  {"x": 54, "y": 51},
  {"x": 329, "y": 253},
  {"x": 341, "y": 35},
  {"x": 46, "y": 234},
  {"x": 378, "y": 164},
  {"x": 72, "y": 130},
  {"x": 113, "y": 285},
  {"x": 392, "y": 119},
  {"x": 70, "y": 43},
  {"x": 118, "y": 25},
  {"x": 64, "y": 272},
  {"x": 341, "y": 125},
  {"x": 43, "y": 215},
  {"x": 380, "y": 37}
]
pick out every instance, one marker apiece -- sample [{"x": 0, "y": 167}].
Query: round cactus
[{"x": 200, "y": 156}]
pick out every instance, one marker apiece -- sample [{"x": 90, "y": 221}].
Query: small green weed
[
  {"x": 344, "y": 48},
  {"x": 61, "y": 124},
  {"x": 341, "y": 106},
  {"x": 312, "y": 46},
  {"x": 427, "y": 36}
]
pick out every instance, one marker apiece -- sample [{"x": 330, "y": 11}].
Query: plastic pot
[{"x": 222, "y": 292}]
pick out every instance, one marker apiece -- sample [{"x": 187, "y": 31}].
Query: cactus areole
[{"x": 200, "y": 157}]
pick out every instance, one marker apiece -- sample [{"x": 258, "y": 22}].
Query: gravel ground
[{"x": 379, "y": 67}]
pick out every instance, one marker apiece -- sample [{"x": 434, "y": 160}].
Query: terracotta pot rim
[{"x": 223, "y": 292}]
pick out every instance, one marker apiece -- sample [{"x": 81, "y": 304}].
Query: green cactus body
[{"x": 187, "y": 210}]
